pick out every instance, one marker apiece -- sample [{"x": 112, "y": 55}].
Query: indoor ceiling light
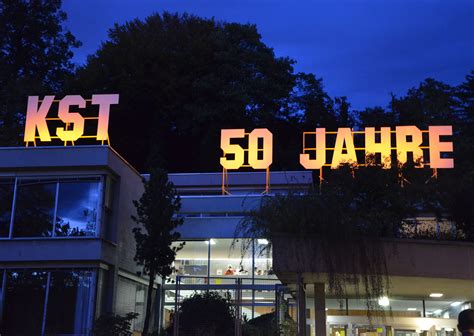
[
  {"x": 211, "y": 241},
  {"x": 262, "y": 241},
  {"x": 384, "y": 301},
  {"x": 456, "y": 303},
  {"x": 436, "y": 295},
  {"x": 411, "y": 309}
]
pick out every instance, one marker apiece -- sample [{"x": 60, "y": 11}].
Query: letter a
[{"x": 344, "y": 136}]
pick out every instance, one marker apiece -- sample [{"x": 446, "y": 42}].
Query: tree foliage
[
  {"x": 183, "y": 78},
  {"x": 156, "y": 217},
  {"x": 35, "y": 58},
  {"x": 355, "y": 207},
  {"x": 206, "y": 314}
]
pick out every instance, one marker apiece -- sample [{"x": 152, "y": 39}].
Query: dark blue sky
[{"x": 362, "y": 49}]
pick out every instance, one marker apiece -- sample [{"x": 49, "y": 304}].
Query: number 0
[{"x": 267, "y": 150}]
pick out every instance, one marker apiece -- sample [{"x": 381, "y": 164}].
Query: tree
[
  {"x": 183, "y": 78},
  {"x": 35, "y": 58},
  {"x": 156, "y": 217}
]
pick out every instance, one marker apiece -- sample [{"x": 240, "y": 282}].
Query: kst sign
[
  {"x": 370, "y": 143},
  {"x": 72, "y": 124}
]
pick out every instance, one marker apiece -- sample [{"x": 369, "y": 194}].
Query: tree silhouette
[
  {"x": 35, "y": 58},
  {"x": 156, "y": 217}
]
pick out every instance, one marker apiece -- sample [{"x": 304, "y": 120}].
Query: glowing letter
[
  {"x": 36, "y": 118},
  {"x": 436, "y": 147},
  {"x": 104, "y": 101},
  {"x": 371, "y": 147},
  {"x": 227, "y": 148},
  {"x": 75, "y": 119},
  {"x": 320, "y": 160},
  {"x": 267, "y": 136},
  {"x": 344, "y": 136},
  {"x": 404, "y": 146}
]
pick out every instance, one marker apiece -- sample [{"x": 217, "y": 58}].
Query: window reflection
[
  {"x": 77, "y": 208},
  {"x": 68, "y": 302},
  {"x": 24, "y": 303},
  {"x": 34, "y": 209},
  {"x": 62, "y": 296},
  {"x": 192, "y": 259},
  {"x": 6, "y": 199}
]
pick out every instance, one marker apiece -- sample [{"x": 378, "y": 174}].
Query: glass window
[
  {"x": 34, "y": 209},
  {"x": 192, "y": 260},
  {"x": 263, "y": 260},
  {"x": 231, "y": 258},
  {"x": 77, "y": 208},
  {"x": 68, "y": 302},
  {"x": 131, "y": 297},
  {"x": 6, "y": 200},
  {"x": 24, "y": 302}
]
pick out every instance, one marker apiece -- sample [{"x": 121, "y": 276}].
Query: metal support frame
[
  {"x": 225, "y": 182},
  {"x": 301, "y": 306}
]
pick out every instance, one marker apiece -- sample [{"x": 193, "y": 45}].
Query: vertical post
[
  {"x": 319, "y": 309},
  {"x": 208, "y": 265},
  {"x": 424, "y": 308},
  {"x": 253, "y": 278},
  {"x": 301, "y": 306},
  {"x": 238, "y": 308},
  {"x": 12, "y": 215},
  {"x": 55, "y": 213},
  {"x": 347, "y": 307},
  {"x": 45, "y": 306},
  {"x": 176, "y": 314},
  {"x": 3, "y": 278}
]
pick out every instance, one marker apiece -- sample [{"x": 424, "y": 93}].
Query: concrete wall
[{"x": 405, "y": 257}]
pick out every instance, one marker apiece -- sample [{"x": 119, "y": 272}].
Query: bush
[{"x": 207, "y": 314}]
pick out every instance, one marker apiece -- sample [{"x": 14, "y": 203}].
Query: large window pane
[
  {"x": 131, "y": 297},
  {"x": 6, "y": 199},
  {"x": 34, "y": 209},
  {"x": 77, "y": 208},
  {"x": 24, "y": 303},
  {"x": 68, "y": 302},
  {"x": 192, "y": 260},
  {"x": 231, "y": 258}
]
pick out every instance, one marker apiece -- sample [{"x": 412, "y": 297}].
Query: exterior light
[
  {"x": 210, "y": 241},
  {"x": 436, "y": 295},
  {"x": 455, "y": 304},
  {"x": 262, "y": 241},
  {"x": 411, "y": 309},
  {"x": 384, "y": 301}
]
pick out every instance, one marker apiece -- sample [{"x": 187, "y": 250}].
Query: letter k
[{"x": 36, "y": 118}]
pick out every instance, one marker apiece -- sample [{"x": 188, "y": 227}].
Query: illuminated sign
[
  {"x": 404, "y": 140},
  {"x": 71, "y": 124}
]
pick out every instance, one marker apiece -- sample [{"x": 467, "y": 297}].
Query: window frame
[{"x": 58, "y": 178}]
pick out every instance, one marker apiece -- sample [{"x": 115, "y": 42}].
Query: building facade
[{"x": 67, "y": 248}]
